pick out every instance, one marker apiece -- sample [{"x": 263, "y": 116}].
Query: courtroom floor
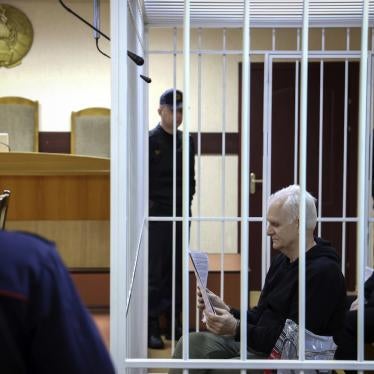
[
  {"x": 160, "y": 353},
  {"x": 102, "y": 323}
]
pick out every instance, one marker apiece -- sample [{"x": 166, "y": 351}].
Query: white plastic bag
[{"x": 317, "y": 347}]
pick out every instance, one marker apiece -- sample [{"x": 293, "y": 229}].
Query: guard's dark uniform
[
  {"x": 161, "y": 204},
  {"x": 44, "y": 328}
]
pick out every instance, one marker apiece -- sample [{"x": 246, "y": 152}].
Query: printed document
[
  {"x": 368, "y": 272},
  {"x": 200, "y": 265}
]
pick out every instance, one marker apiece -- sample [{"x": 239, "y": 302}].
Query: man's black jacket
[{"x": 325, "y": 298}]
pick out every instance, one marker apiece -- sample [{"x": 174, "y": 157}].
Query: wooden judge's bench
[{"x": 64, "y": 198}]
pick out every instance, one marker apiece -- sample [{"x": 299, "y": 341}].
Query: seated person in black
[
  {"x": 346, "y": 340},
  {"x": 325, "y": 290},
  {"x": 44, "y": 328}
]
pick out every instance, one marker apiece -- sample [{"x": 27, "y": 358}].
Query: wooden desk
[{"x": 64, "y": 198}]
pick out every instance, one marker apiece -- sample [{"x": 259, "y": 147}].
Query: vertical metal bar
[
  {"x": 173, "y": 286},
  {"x": 199, "y": 100},
  {"x": 273, "y": 39},
  {"x": 266, "y": 159},
  {"x": 345, "y": 152},
  {"x": 320, "y": 147},
  {"x": 185, "y": 174},
  {"x": 371, "y": 116},
  {"x": 296, "y": 144},
  {"x": 118, "y": 185},
  {"x": 245, "y": 185},
  {"x": 223, "y": 155},
  {"x": 368, "y": 163},
  {"x": 269, "y": 150},
  {"x": 265, "y": 244},
  {"x": 303, "y": 165},
  {"x": 361, "y": 182}
]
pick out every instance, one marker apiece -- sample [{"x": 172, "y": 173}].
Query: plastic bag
[{"x": 317, "y": 347}]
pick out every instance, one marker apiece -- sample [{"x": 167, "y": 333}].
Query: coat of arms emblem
[{"x": 16, "y": 35}]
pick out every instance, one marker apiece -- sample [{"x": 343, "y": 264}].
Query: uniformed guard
[
  {"x": 161, "y": 204},
  {"x": 44, "y": 327}
]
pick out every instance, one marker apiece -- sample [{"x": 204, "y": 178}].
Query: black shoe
[
  {"x": 154, "y": 336},
  {"x": 155, "y": 342},
  {"x": 178, "y": 325}
]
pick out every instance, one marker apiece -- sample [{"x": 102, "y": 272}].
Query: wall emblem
[{"x": 16, "y": 35}]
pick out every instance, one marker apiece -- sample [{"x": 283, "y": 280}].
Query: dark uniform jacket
[
  {"x": 325, "y": 298},
  {"x": 44, "y": 326},
  {"x": 161, "y": 170}
]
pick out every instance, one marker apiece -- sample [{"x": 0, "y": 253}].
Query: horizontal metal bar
[
  {"x": 260, "y": 22},
  {"x": 337, "y": 219},
  {"x": 233, "y": 364},
  {"x": 277, "y": 54},
  {"x": 250, "y": 219},
  {"x": 218, "y": 219},
  {"x": 316, "y": 54}
]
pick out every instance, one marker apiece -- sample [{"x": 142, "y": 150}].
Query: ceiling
[{"x": 263, "y": 13}]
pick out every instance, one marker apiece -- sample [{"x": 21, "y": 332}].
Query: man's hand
[
  {"x": 354, "y": 305},
  {"x": 215, "y": 300},
  {"x": 221, "y": 323}
]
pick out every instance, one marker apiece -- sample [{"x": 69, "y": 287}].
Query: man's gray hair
[{"x": 290, "y": 196}]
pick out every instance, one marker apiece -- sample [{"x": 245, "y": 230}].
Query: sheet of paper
[
  {"x": 368, "y": 272},
  {"x": 200, "y": 265},
  {"x": 200, "y": 261}
]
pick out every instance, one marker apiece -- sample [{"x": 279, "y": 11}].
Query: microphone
[
  {"x": 96, "y": 18},
  {"x": 137, "y": 59},
  {"x": 146, "y": 79}
]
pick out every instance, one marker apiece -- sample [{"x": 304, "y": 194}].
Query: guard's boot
[
  {"x": 154, "y": 337},
  {"x": 178, "y": 327}
]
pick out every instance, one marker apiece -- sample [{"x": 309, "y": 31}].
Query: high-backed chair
[
  {"x": 4, "y": 200},
  {"x": 19, "y": 117},
  {"x": 90, "y": 132}
]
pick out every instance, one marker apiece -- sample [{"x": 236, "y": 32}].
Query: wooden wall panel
[
  {"x": 87, "y": 282},
  {"x": 65, "y": 197},
  {"x": 93, "y": 288},
  {"x": 81, "y": 244},
  {"x": 211, "y": 142}
]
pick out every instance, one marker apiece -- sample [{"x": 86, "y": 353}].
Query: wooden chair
[
  {"x": 90, "y": 132},
  {"x": 4, "y": 200},
  {"x": 19, "y": 117}
]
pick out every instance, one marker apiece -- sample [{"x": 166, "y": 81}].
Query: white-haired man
[{"x": 325, "y": 290}]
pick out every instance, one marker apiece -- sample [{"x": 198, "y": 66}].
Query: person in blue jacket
[{"x": 44, "y": 328}]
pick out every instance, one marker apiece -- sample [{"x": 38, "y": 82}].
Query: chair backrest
[
  {"x": 19, "y": 118},
  {"x": 4, "y": 201},
  {"x": 90, "y": 132}
]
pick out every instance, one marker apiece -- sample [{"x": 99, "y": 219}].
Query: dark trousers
[
  {"x": 160, "y": 239},
  {"x": 346, "y": 340}
]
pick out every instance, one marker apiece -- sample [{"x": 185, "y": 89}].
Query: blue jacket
[{"x": 44, "y": 326}]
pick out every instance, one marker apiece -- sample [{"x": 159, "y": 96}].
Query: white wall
[{"x": 63, "y": 69}]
